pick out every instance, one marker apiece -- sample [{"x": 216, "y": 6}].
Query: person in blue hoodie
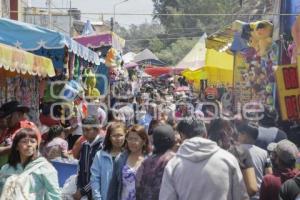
[
  {"x": 93, "y": 143},
  {"x": 102, "y": 167}
]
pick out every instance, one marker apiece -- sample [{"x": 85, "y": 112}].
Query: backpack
[{"x": 14, "y": 185}]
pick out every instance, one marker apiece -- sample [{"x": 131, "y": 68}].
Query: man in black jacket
[{"x": 91, "y": 128}]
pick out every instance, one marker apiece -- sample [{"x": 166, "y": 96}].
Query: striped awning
[{"x": 20, "y": 61}]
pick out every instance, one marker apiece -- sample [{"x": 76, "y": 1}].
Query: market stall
[
  {"x": 21, "y": 73},
  {"x": 288, "y": 78},
  {"x": 64, "y": 52},
  {"x": 217, "y": 70},
  {"x": 147, "y": 57},
  {"x": 109, "y": 46}
]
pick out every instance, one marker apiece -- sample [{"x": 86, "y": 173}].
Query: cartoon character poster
[
  {"x": 242, "y": 90},
  {"x": 254, "y": 65}
]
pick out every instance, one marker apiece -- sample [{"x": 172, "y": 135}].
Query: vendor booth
[
  {"x": 64, "y": 52},
  {"x": 21, "y": 73},
  {"x": 206, "y": 62}
]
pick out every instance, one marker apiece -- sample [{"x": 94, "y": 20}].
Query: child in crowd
[{"x": 57, "y": 146}]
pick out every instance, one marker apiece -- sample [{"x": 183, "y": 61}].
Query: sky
[{"x": 105, "y": 6}]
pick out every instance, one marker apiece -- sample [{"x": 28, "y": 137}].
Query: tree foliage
[{"x": 171, "y": 37}]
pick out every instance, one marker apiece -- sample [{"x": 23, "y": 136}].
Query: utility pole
[
  {"x": 49, "y": 14},
  {"x": 70, "y": 14},
  {"x": 114, "y": 17}
]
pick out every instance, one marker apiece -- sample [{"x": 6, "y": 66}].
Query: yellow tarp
[
  {"x": 16, "y": 60},
  {"x": 218, "y": 69},
  {"x": 221, "y": 60}
]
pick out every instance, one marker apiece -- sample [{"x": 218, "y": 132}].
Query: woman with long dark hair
[
  {"x": 40, "y": 181},
  {"x": 137, "y": 146},
  {"x": 102, "y": 167}
]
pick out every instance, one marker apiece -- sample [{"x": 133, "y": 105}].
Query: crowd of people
[{"x": 140, "y": 151}]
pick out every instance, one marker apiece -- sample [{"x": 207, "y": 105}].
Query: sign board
[{"x": 287, "y": 78}]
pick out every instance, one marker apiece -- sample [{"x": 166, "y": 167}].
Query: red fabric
[
  {"x": 158, "y": 71},
  {"x": 48, "y": 121},
  {"x": 271, "y": 183}
]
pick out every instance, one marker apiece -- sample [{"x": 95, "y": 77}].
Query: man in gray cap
[{"x": 284, "y": 155}]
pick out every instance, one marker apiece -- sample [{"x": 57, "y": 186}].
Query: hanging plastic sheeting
[{"x": 195, "y": 59}]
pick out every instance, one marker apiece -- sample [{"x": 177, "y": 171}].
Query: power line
[
  {"x": 170, "y": 38},
  {"x": 184, "y": 14}
]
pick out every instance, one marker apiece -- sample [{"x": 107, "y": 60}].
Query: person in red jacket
[{"x": 284, "y": 156}]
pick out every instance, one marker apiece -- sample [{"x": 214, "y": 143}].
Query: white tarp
[{"x": 195, "y": 59}]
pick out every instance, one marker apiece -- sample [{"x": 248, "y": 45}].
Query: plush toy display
[
  {"x": 261, "y": 37},
  {"x": 90, "y": 84},
  {"x": 113, "y": 58},
  {"x": 258, "y": 34}
]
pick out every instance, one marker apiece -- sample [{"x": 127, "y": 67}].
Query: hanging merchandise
[
  {"x": 102, "y": 78},
  {"x": 254, "y": 79},
  {"x": 261, "y": 37},
  {"x": 21, "y": 73},
  {"x": 258, "y": 35},
  {"x": 23, "y": 89},
  {"x": 76, "y": 68},
  {"x": 296, "y": 37},
  {"x": 90, "y": 84},
  {"x": 113, "y": 58},
  {"x": 71, "y": 91}
]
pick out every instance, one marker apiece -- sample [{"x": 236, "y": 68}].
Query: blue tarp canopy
[{"x": 30, "y": 37}]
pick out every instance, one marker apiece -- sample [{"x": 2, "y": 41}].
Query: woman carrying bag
[{"x": 28, "y": 176}]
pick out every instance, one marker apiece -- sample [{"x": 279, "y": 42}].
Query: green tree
[
  {"x": 139, "y": 37},
  {"x": 176, "y": 51},
  {"x": 156, "y": 45},
  {"x": 171, "y": 37}
]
